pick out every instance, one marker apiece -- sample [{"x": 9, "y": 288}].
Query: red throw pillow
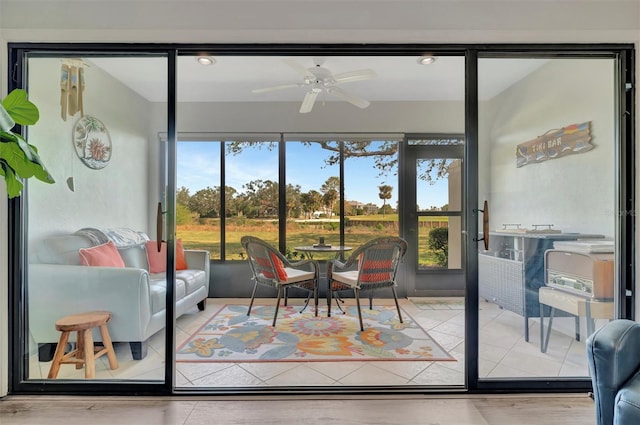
[
  {"x": 265, "y": 264},
  {"x": 181, "y": 260},
  {"x": 372, "y": 266},
  {"x": 158, "y": 260},
  {"x": 105, "y": 255},
  {"x": 282, "y": 273}
]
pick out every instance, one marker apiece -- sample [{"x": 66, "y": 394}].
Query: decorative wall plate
[{"x": 92, "y": 142}]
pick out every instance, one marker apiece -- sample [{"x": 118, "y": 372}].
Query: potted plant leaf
[{"x": 18, "y": 159}]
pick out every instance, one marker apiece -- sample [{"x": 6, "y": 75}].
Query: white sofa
[{"x": 59, "y": 285}]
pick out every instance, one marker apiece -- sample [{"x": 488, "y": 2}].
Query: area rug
[{"x": 232, "y": 336}]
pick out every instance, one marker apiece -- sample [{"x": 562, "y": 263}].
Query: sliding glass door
[
  {"x": 97, "y": 278},
  {"x": 548, "y": 154},
  {"x": 140, "y": 234}
]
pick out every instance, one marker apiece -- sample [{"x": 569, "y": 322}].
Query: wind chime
[
  {"x": 71, "y": 91},
  {"x": 71, "y": 87}
]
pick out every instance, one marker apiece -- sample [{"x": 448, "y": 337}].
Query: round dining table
[{"x": 318, "y": 248}]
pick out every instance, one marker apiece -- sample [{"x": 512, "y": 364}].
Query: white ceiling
[{"x": 232, "y": 78}]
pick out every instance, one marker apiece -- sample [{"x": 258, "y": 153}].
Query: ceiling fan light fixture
[
  {"x": 318, "y": 79},
  {"x": 205, "y": 60},
  {"x": 426, "y": 60}
]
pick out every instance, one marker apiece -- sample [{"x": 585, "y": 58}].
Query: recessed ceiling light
[
  {"x": 426, "y": 60},
  {"x": 205, "y": 60}
]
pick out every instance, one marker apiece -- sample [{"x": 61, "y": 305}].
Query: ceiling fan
[{"x": 319, "y": 79}]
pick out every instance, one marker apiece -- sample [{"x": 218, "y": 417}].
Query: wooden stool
[{"x": 85, "y": 353}]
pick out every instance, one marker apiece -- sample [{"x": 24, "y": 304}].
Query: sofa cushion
[
  {"x": 61, "y": 249},
  {"x": 105, "y": 255},
  {"x": 135, "y": 256},
  {"x": 192, "y": 278},
  {"x": 158, "y": 289}
]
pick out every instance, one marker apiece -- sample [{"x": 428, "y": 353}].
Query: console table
[{"x": 511, "y": 271}]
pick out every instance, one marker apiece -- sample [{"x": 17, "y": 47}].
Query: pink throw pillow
[
  {"x": 105, "y": 255},
  {"x": 158, "y": 260}
]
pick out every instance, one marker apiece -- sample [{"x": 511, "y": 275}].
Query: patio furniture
[
  {"x": 371, "y": 266},
  {"x": 270, "y": 268}
]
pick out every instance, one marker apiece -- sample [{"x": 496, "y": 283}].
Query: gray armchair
[
  {"x": 613, "y": 352},
  {"x": 270, "y": 268},
  {"x": 373, "y": 265}
]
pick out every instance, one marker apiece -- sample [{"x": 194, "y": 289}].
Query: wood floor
[{"x": 566, "y": 409}]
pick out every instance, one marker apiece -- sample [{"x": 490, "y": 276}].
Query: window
[
  {"x": 439, "y": 187},
  {"x": 317, "y": 203}
]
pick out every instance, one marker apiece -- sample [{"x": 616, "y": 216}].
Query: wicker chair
[
  {"x": 371, "y": 266},
  {"x": 271, "y": 268}
]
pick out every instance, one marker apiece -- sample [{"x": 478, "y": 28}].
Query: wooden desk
[{"x": 575, "y": 305}]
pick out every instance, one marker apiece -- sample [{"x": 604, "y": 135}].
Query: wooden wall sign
[{"x": 554, "y": 144}]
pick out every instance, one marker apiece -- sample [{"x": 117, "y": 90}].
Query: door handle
[
  {"x": 159, "y": 226},
  {"x": 485, "y": 225}
]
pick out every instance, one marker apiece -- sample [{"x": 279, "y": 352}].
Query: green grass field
[{"x": 360, "y": 229}]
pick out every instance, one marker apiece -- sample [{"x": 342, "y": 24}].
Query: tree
[
  {"x": 431, "y": 170},
  {"x": 385, "y": 209},
  {"x": 330, "y": 192},
  {"x": 439, "y": 244},
  {"x": 329, "y": 198},
  {"x": 182, "y": 196},
  {"x": 294, "y": 204},
  {"x": 311, "y": 201},
  {"x": 205, "y": 202},
  {"x": 231, "y": 205},
  {"x": 385, "y": 193},
  {"x": 384, "y": 154},
  {"x": 332, "y": 183},
  {"x": 262, "y": 196},
  {"x": 184, "y": 215}
]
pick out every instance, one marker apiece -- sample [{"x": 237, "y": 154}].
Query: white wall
[
  {"x": 576, "y": 193},
  {"x": 336, "y": 117},
  {"x": 110, "y": 197},
  {"x": 332, "y": 21}
]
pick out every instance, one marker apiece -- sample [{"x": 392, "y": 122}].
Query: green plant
[
  {"x": 294, "y": 255},
  {"x": 18, "y": 159},
  {"x": 439, "y": 243}
]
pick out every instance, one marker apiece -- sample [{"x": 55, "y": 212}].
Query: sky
[{"x": 198, "y": 167}]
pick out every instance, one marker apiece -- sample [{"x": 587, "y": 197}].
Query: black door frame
[
  {"x": 436, "y": 282},
  {"x": 625, "y": 55}
]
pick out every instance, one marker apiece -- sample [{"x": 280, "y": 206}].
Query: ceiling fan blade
[
  {"x": 347, "y": 77},
  {"x": 274, "y": 88},
  {"x": 299, "y": 68},
  {"x": 351, "y": 98},
  {"x": 308, "y": 101}
]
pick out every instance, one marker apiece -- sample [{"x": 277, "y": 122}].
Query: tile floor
[{"x": 503, "y": 353}]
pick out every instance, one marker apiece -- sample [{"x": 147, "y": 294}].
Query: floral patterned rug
[{"x": 232, "y": 336}]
